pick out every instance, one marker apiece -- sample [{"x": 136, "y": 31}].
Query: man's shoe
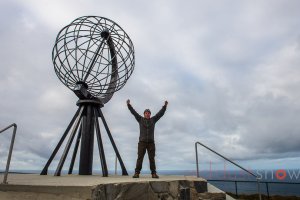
[
  {"x": 155, "y": 176},
  {"x": 136, "y": 175}
]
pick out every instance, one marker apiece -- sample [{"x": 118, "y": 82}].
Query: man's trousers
[{"x": 142, "y": 147}]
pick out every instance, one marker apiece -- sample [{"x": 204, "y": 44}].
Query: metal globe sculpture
[
  {"x": 96, "y": 53},
  {"x": 94, "y": 57}
]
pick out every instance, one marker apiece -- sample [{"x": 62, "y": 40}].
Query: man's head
[{"x": 147, "y": 114}]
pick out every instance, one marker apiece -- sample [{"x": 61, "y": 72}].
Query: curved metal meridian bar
[{"x": 114, "y": 74}]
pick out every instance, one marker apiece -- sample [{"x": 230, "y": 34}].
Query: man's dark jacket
[{"x": 147, "y": 125}]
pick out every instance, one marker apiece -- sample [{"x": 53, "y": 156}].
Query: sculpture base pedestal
[{"x": 33, "y": 186}]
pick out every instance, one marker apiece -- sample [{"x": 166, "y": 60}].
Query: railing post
[
  {"x": 236, "y": 190},
  {"x": 267, "y": 185},
  {"x": 116, "y": 165},
  {"x": 258, "y": 188},
  {"x": 10, "y": 150},
  {"x": 197, "y": 159}
]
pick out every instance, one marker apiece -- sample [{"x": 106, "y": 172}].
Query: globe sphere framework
[{"x": 94, "y": 51}]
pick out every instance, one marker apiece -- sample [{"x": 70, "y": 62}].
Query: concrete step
[{"x": 212, "y": 189}]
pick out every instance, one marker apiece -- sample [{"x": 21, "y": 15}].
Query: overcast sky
[{"x": 229, "y": 69}]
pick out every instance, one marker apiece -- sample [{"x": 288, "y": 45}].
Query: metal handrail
[
  {"x": 197, "y": 165},
  {"x": 10, "y": 150},
  {"x": 247, "y": 181}
]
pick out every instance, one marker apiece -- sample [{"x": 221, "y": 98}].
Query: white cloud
[
  {"x": 279, "y": 75},
  {"x": 54, "y": 100}
]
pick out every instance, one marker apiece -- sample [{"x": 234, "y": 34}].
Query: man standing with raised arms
[{"x": 146, "y": 139}]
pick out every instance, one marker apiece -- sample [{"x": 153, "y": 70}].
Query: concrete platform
[
  {"x": 81, "y": 180},
  {"x": 33, "y": 186}
]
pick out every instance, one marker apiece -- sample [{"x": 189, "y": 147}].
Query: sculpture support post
[
  {"x": 124, "y": 171},
  {"x": 100, "y": 146},
  {"x": 75, "y": 151},
  {"x": 45, "y": 169},
  {"x": 87, "y": 118},
  {"x": 87, "y": 142}
]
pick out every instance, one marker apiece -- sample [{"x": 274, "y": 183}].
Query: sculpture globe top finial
[{"x": 94, "y": 57}]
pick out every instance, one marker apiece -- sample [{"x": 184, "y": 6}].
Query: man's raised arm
[
  {"x": 135, "y": 114},
  {"x": 161, "y": 112}
]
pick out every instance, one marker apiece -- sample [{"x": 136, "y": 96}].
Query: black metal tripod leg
[
  {"x": 100, "y": 147},
  {"x": 45, "y": 169},
  {"x": 68, "y": 145},
  {"x": 124, "y": 171},
  {"x": 75, "y": 151}
]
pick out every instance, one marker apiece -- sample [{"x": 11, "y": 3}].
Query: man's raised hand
[
  {"x": 166, "y": 103},
  {"x": 128, "y": 101}
]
